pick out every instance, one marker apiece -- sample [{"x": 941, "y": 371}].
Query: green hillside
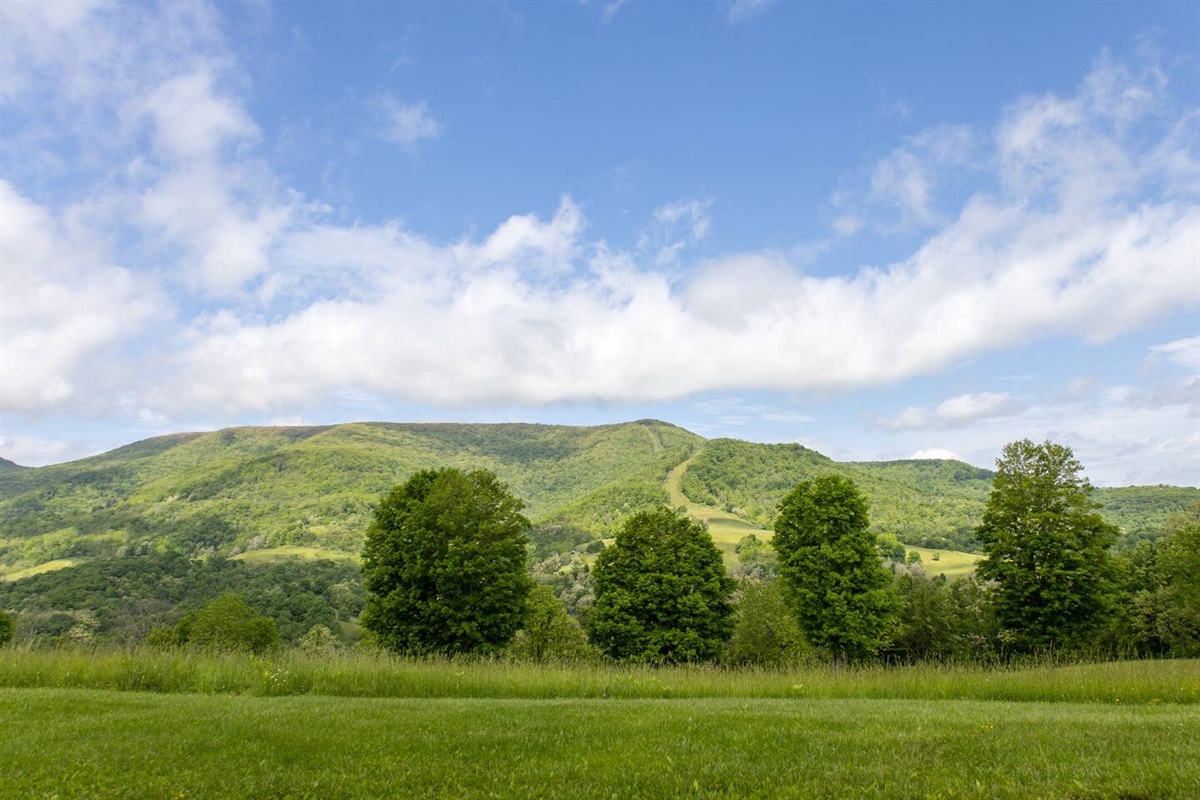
[
  {"x": 253, "y": 488},
  {"x": 930, "y": 503},
  {"x": 246, "y": 490}
]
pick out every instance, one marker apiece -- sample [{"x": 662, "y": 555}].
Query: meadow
[{"x": 146, "y": 723}]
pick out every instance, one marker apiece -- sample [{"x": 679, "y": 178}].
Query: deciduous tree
[
  {"x": 1047, "y": 548},
  {"x": 444, "y": 564},
  {"x": 662, "y": 594},
  {"x": 831, "y": 571}
]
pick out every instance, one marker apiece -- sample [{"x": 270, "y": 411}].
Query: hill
[
  {"x": 252, "y": 489},
  {"x": 928, "y": 502}
]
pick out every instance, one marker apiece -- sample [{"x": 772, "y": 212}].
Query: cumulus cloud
[
  {"x": 954, "y": 412},
  {"x": 63, "y": 305},
  {"x": 1086, "y": 228}
]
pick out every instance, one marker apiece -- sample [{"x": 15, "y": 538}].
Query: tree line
[{"x": 444, "y": 570}]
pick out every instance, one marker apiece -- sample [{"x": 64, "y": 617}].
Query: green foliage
[
  {"x": 925, "y": 622},
  {"x": 131, "y": 596},
  {"x": 925, "y": 502},
  {"x": 549, "y": 632},
  {"x": 318, "y": 640},
  {"x": 570, "y": 579},
  {"x": 757, "y": 560},
  {"x": 8, "y": 628},
  {"x": 662, "y": 594},
  {"x": 831, "y": 572},
  {"x": 1144, "y": 512},
  {"x": 228, "y": 623},
  {"x": 765, "y": 633},
  {"x": 246, "y": 488},
  {"x": 1047, "y": 548},
  {"x": 1159, "y": 605},
  {"x": 444, "y": 564}
]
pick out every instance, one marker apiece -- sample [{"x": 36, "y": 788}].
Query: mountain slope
[
  {"x": 246, "y": 489},
  {"x": 265, "y": 487},
  {"x": 931, "y": 503}
]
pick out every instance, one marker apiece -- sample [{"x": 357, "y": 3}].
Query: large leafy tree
[
  {"x": 1047, "y": 548},
  {"x": 662, "y": 594},
  {"x": 831, "y": 572},
  {"x": 444, "y": 564}
]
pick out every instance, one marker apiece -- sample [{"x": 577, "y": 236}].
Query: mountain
[
  {"x": 6, "y": 464},
  {"x": 246, "y": 489}
]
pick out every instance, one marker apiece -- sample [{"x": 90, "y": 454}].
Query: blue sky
[{"x": 881, "y": 230}]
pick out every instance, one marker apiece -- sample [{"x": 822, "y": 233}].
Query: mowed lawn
[{"x": 98, "y": 743}]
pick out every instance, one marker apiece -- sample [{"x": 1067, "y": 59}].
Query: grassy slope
[{"x": 275, "y": 487}]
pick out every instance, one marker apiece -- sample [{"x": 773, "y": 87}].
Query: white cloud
[
  {"x": 907, "y": 179},
  {"x": 404, "y": 124},
  {"x": 63, "y": 308},
  {"x": 936, "y": 453},
  {"x": 741, "y": 10},
  {"x": 1181, "y": 352},
  {"x": 1086, "y": 228},
  {"x": 955, "y": 412},
  {"x": 674, "y": 227},
  {"x": 30, "y": 451}
]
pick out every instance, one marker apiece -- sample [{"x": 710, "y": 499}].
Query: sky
[{"x": 884, "y": 231}]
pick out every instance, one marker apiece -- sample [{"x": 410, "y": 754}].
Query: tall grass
[{"x": 373, "y": 674}]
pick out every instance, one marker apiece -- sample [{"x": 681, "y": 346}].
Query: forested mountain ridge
[
  {"x": 243, "y": 489},
  {"x": 249, "y": 488}
]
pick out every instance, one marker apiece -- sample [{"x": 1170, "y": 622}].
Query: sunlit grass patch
[
  {"x": 294, "y": 551},
  {"x": 49, "y": 566}
]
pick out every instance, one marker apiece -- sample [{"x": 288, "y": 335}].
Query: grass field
[
  {"x": 293, "y": 551},
  {"x": 90, "y": 743},
  {"x": 726, "y": 529},
  {"x": 49, "y": 566},
  {"x": 950, "y": 563},
  {"x": 103, "y": 723}
]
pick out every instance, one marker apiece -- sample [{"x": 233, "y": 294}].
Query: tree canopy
[
  {"x": 662, "y": 594},
  {"x": 830, "y": 569},
  {"x": 444, "y": 564},
  {"x": 1046, "y": 548}
]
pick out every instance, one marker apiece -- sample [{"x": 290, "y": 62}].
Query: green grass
[
  {"x": 725, "y": 528},
  {"x": 90, "y": 743},
  {"x": 951, "y": 563},
  {"x": 147, "y": 723},
  {"x": 373, "y": 674},
  {"x": 294, "y": 551},
  {"x": 48, "y": 566}
]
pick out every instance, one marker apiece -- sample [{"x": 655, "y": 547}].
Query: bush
[
  {"x": 8, "y": 628},
  {"x": 549, "y": 633},
  {"x": 764, "y": 632}
]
